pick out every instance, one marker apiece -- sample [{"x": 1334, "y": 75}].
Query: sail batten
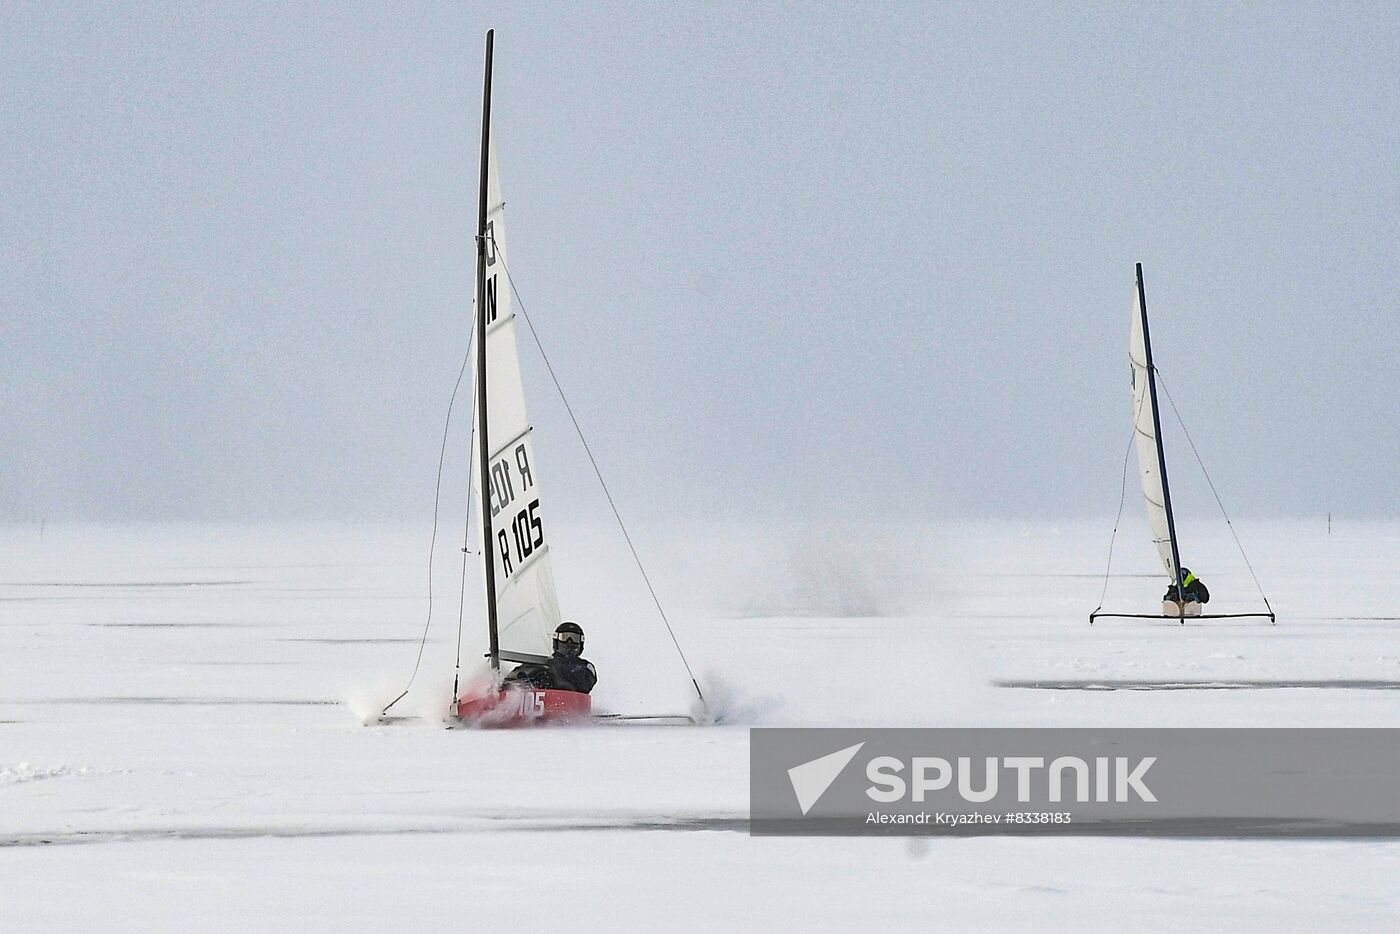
[
  {"x": 497, "y": 452},
  {"x": 522, "y": 657}
]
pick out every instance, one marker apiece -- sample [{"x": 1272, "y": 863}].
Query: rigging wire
[
  {"x": 601, "y": 482},
  {"x": 432, "y": 544},
  {"x": 1122, "y": 498},
  {"x": 1211, "y": 484},
  {"x": 462, "y": 599},
  {"x": 466, "y": 545}
]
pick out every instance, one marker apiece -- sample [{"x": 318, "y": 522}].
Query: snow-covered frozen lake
[{"x": 180, "y": 747}]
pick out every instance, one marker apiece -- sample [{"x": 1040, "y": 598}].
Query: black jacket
[
  {"x": 1194, "y": 591},
  {"x": 564, "y": 672}
]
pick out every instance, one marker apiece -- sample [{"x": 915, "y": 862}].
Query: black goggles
[{"x": 569, "y": 638}]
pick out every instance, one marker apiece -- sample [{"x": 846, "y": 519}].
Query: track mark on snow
[
  {"x": 171, "y": 625},
  {"x": 178, "y": 701},
  {"x": 1106, "y": 684},
  {"x": 503, "y": 825},
  {"x": 354, "y": 641},
  {"x": 120, "y": 584}
]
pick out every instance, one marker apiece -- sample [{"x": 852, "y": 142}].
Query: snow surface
[{"x": 180, "y": 747}]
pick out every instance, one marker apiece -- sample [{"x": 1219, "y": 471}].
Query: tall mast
[
  {"x": 488, "y": 554},
  {"x": 1157, "y": 430}
]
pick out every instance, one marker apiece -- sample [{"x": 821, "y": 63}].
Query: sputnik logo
[{"x": 810, "y": 780}]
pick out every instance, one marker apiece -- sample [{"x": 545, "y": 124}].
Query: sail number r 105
[
  {"x": 512, "y": 477},
  {"x": 528, "y": 532},
  {"x": 502, "y": 491}
]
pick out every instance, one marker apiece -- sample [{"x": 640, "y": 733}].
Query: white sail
[
  {"x": 527, "y": 608},
  {"x": 1145, "y": 433}
]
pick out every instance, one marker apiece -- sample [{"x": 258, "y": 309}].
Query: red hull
[{"x": 523, "y": 706}]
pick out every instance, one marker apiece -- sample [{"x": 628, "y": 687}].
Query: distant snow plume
[
  {"x": 836, "y": 571},
  {"x": 726, "y": 706},
  {"x": 834, "y": 575}
]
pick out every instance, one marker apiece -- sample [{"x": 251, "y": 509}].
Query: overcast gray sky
[{"x": 806, "y": 260}]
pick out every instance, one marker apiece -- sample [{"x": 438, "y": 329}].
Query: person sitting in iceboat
[
  {"x": 566, "y": 670},
  {"x": 1191, "y": 590}
]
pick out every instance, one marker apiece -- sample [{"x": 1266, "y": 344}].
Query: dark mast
[
  {"x": 488, "y": 554},
  {"x": 1157, "y": 431}
]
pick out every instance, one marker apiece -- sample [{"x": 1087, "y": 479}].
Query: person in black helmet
[
  {"x": 566, "y": 670},
  {"x": 1192, "y": 590}
]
